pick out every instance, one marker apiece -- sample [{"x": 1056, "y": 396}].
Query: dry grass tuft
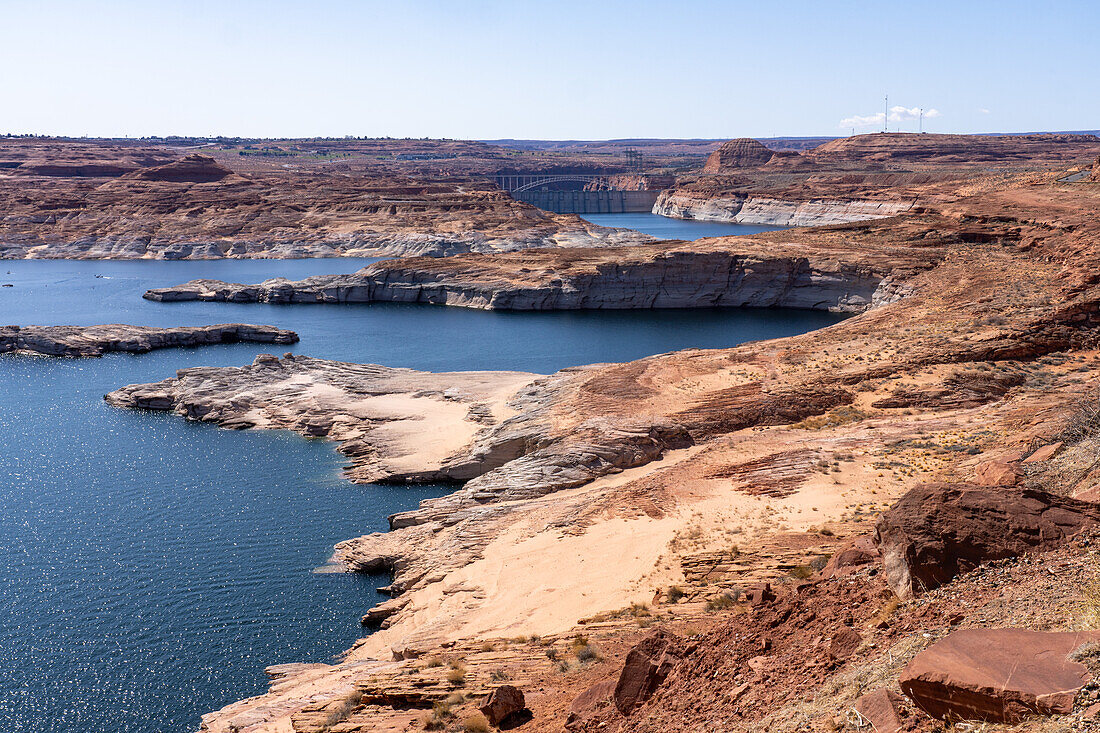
[{"x": 475, "y": 723}]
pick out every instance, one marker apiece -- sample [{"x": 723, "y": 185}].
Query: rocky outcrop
[
  {"x": 503, "y": 704},
  {"x": 997, "y": 675},
  {"x": 194, "y": 168},
  {"x": 747, "y": 209},
  {"x": 744, "y": 152},
  {"x": 98, "y": 340},
  {"x": 398, "y": 424},
  {"x": 683, "y": 275},
  {"x": 883, "y": 710},
  {"x": 646, "y": 667},
  {"x": 938, "y": 531}
]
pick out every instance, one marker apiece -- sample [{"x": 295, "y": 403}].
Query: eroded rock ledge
[
  {"x": 749, "y": 209},
  {"x": 97, "y": 340},
  {"x": 709, "y": 273}
]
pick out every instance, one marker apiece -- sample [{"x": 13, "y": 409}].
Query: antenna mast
[
  {"x": 920, "y": 124},
  {"x": 886, "y": 115}
]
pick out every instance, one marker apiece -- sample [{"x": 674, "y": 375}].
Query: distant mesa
[
  {"x": 743, "y": 152},
  {"x": 194, "y": 168},
  {"x": 908, "y": 146}
]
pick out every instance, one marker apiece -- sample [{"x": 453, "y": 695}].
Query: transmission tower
[{"x": 633, "y": 159}]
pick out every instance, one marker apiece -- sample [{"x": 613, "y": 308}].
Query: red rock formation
[
  {"x": 883, "y": 710},
  {"x": 194, "y": 168},
  {"x": 646, "y": 667},
  {"x": 997, "y": 675},
  {"x": 938, "y": 531},
  {"x": 743, "y": 152},
  {"x": 502, "y": 703}
]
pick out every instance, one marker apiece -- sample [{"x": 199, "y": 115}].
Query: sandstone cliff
[
  {"x": 733, "y": 272},
  {"x": 744, "y": 209}
]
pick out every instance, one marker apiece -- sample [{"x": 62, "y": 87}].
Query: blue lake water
[
  {"x": 151, "y": 568},
  {"x": 664, "y": 227}
]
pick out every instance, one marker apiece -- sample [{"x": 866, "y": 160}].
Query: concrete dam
[
  {"x": 589, "y": 202},
  {"x": 563, "y": 194}
]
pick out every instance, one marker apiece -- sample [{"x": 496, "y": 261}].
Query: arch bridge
[{"x": 529, "y": 182}]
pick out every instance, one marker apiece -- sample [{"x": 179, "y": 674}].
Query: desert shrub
[
  {"x": 801, "y": 572},
  {"x": 437, "y": 718},
  {"x": 721, "y": 603},
  {"x": 588, "y": 653},
  {"x": 475, "y": 723},
  {"x": 488, "y": 647},
  {"x": 674, "y": 594},
  {"x": 499, "y": 675},
  {"x": 435, "y": 662},
  {"x": 1084, "y": 422},
  {"x": 457, "y": 676}
]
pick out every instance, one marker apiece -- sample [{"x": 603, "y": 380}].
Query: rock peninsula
[
  {"x": 774, "y": 270},
  {"x": 98, "y": 340}
]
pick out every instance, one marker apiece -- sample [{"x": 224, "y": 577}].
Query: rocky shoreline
[
  {"x": 748, "y": 209},
  {"x": 83, "y": 341},
  {"x": 708, "y": 273}
]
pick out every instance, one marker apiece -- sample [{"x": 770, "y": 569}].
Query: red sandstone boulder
[
  {"x": 1045, "y": 453},
  {"x": 844, "y": 644},
  {"x": 859, "y": 552},
  {"x": 997, "y": 675},
  {"x": 883, "y": 710},
  {"x": 502, "y": 703},
  {"x": 996, "y": 473},
  {"x": 760, "y": 595},
  {"x": 646, "y": 667},
  {"x": 589, "y": 703},
  {"x": 938, "y": 531}
]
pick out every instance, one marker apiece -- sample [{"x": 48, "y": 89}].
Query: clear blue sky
[{"x": 547, "y": 69}]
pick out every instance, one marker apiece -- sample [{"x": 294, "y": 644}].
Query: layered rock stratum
[
  {"x": 769, "y": 272},
  {"x": 98, "y": 340}
]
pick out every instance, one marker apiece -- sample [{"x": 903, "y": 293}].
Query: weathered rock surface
[
  {"x": 646, "y": 667},
  {"x": 374, "y": 412},
  {"x": 659, "y": 462},
  {"x": 938, "y": 531},
  {"x": 730, "y": 273},
  {"x": 502, "y": 703},
  {"x": 883, "y": 710},
  {"x": 98, "y": 340},
  {"x": 747, "y": 209},
  {"x": 744, "y": 152},
  {"x": 997, "y": 675}
]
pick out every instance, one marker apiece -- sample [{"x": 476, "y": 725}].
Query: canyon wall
[
  {"x": 672, "y": 279},
  {"x": 747, "y": 209}
]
